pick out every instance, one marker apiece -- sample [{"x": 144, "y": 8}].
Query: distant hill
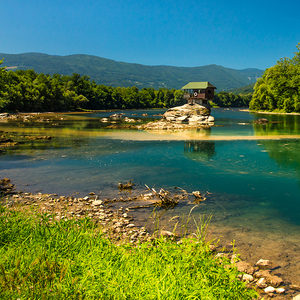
[
  {"x": 243, "y": 90},
  {"x": 110, "y": 72}
]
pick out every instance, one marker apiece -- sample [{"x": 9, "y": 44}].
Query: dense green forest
[
  {"x": 120, "y": 74},
  {"x": 248, "y": 89},
  {"x": 28, "y": 91},
  {"x": 279, "y": 87},
  {"x": 225, "y": 99}
]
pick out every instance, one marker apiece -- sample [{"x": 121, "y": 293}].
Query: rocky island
[{"x": 187, "y": 116}]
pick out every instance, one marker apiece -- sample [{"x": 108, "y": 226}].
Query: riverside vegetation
[
  {"x": 45, "y": 254},
  {"x": 279, "y": 88},
  {"x": 28, "y": 91}
]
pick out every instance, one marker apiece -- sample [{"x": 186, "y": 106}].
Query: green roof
[{"x": 197, "y": 85}]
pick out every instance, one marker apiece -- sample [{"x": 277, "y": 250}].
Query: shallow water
[{"x": 251, "y": 171}]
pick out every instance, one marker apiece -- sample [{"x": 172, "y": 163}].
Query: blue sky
[{"x": 235, "y": 34}]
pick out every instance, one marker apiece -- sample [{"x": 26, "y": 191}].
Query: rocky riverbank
[{"x": 119, "y": 226}]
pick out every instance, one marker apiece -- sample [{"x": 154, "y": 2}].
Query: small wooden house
[{"x": 199, "y": 92}]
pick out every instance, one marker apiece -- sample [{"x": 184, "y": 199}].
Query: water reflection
[
  {"x": 286, "y": 153},
  {"x": 199, "y": 150},
  {"x": 278, "y": 125}
]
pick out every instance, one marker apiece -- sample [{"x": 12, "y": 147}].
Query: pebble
[
  {"x": 262, "y": 283},
  {"x": 280, "y": 290},
  {"x": 269, "y": 289},
  {"x": 247, "y": 277}
]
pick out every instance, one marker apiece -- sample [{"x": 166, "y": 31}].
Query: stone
[
  {"x": 97, "y": 202},
  {"x": 271, "y": 279},
  {"x": 262, "y": 283},
  {"x": 280, "y": 291},
  {"x": 295, "y": 287},
  {"x": 193, "y": 113},
  {"x": 261, "y": 121},
  {"x": 195, "y": 119},
  {"x": 166, "y": 233},
  {"x": 182, "y": 119},
  {"x": 264, "y": 263},
  {"x": 234, "y": 259},
  {"x": 247, "y": 277},
  {"x": 297, "y": 297},
  {"x": 221, "y": 255},
  {"x": 269, "y": 289},
  {"x": 262, "y": 273},
  {"x": 274, "y": 280},
  {"x": 244, "y": 267},
  {"x": 211, "y": 119},
  {"x": 212, "y": 248}
]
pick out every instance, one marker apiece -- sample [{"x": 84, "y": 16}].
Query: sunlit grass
[{"x": 73, "y": 260}]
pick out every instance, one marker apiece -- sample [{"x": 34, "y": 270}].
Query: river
[{"x": 249, "y": 173}]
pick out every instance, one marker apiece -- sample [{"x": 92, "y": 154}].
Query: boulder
[
  {"x": 193, "y": 113},
  {"x": 182, "y": 119}
]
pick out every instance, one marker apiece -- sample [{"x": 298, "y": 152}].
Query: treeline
[
  {"x": 225, "y": 99},
  {"x": 28, "y": 91},
  {"x": 279, "y": 87}
]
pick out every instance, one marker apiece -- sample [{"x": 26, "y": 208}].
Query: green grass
[{"x": 73, "y": 260}]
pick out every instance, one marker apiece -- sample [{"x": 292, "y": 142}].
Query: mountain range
[{"x": 109, "y": 72}]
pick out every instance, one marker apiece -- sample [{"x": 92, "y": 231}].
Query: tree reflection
[{"x": 199, "y": 150}]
